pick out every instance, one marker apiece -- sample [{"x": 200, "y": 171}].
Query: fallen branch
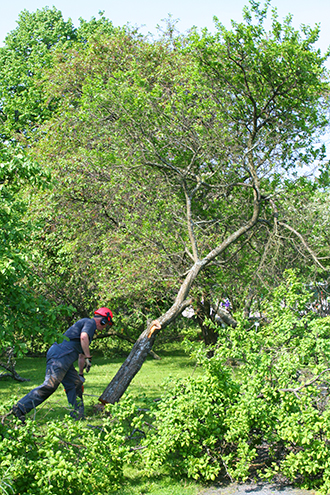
[
  {"x": 10, "y": 367},
  {"x": 297, "y": 389}
]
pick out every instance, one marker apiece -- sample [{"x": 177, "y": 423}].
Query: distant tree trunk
[
  {"x": 226, "y": 317},
  {"x": 10, "y": 367},
  {"x": 204, "y": 312}
]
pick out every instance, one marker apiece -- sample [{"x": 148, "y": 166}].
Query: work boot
[
  {"x": 18, "y": 413},
  {"x": 77, "y": 416}
]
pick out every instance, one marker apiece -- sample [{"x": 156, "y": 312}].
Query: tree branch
[
  {"x": 311, "y": 252},
  {"x": 296, "y": 390}
]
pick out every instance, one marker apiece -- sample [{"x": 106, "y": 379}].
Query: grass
[
  {"x": 145, "y": 387},
  {"x": 160, "y": 485}
]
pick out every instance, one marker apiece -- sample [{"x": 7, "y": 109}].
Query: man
[{"x": 60, "y": 369}]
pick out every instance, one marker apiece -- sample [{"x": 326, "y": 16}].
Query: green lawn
[{"x": 146, "y": 386}]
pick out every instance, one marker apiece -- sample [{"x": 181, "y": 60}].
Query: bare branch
[
  {"x": 296, "y": 390},
  {"x": 311, "y": 252},
  {"x": 190, "y": 223}
]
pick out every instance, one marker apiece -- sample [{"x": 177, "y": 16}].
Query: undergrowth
[{"x": 257, "y": 408}]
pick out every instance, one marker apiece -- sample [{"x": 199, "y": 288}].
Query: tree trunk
[
  {"x": 143, "y": 345},
  {"x": 10, "y": 367},
  {"x": 203, "y": 312},
  {"x": 226, "y": 317},
  {"x": 206, "y": 311}
]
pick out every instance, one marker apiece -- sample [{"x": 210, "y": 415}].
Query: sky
[{"x": 148, "y": 13}]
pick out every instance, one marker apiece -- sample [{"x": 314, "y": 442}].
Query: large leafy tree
[
  {"x": 25, "y": 315},
  {"x": 183, "y": 151},
  {"x": 28, "y": 51}
]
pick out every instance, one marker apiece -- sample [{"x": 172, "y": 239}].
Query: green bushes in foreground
[
  {"x": 63, "y": 457},
  {"x": 259, "y": 408}
]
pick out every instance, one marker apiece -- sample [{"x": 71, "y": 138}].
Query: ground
[{"x": 255, "y": 489}]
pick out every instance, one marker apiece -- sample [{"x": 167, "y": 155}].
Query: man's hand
[
  {"x": 88, "y": 364},
  {"x": 82, "y": 378}
]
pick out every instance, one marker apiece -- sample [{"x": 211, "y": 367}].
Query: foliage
[
  {"x": 168, "y": 157},
  {"x": 63, "y": 456},
  {"x": 250, "y": 410},
  {"x": 24, "y": 57},
  {"x": 256, "y": 404},
  {"x": 6, "y": 483},
  {"x": 24, "y": 314},
  {"x": 28, "y": 51},
  {"x": 142, "y": 126},
  {"x": 66, "y": 456}
]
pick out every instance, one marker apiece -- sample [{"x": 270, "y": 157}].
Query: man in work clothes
[{"x": 60, "y": 369}]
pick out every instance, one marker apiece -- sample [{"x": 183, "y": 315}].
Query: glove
[
  {"x": 82, "y": 378},
  {"x": 88, "y": 364}
]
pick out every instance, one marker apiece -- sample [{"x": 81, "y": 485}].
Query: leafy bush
[
  {"x": 261, "y": 405},
  {"x": 66, "y": 457},
  {"x": 5, "y": 482}
]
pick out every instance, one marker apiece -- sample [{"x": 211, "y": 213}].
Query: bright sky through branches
[
  {"x": 149, "y": 13},
  {"x": 146, "y": 14}
]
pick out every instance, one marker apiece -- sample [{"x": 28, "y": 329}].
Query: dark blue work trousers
[{"x": 59, "y": 369}]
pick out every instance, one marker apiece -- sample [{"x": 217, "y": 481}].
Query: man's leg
[
  {"x": 56, "y": 370},
  {"x": 74, "y": 391},
  {"x": 34, "y": 398}
]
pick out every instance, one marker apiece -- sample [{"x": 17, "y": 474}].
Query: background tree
[
  {"x": 25, "y": 315},
  {"x": 214, "y": 122},
  {"x": 28, "y": 51}
]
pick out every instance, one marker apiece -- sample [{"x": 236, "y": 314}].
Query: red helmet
[{"x": 107, "y": 315}]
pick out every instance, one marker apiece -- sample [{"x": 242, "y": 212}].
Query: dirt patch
[{"x": 255, "y": 489}]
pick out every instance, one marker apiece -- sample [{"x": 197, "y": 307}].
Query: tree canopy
[
  {"x": 181, "y": 155},
  {"x": 175, "y": 162}
]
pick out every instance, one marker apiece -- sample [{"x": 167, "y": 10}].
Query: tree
[
  {"x": 217, "y": 123},
  {"x": 24, "y": 314},
  {"x": 23, "y": 58},
  {"x": 27, "y": 52}
]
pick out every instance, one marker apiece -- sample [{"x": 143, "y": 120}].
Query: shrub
[
  {"x": 261, "y": 404},
  {"x": 66, "y": 457}
]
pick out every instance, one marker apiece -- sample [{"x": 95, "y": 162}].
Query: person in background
[{"x": 60, "y": 369}]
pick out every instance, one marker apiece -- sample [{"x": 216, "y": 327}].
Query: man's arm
[
  {"x": 81, "y": 363},
  {"x": 84, "y": 341}
]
